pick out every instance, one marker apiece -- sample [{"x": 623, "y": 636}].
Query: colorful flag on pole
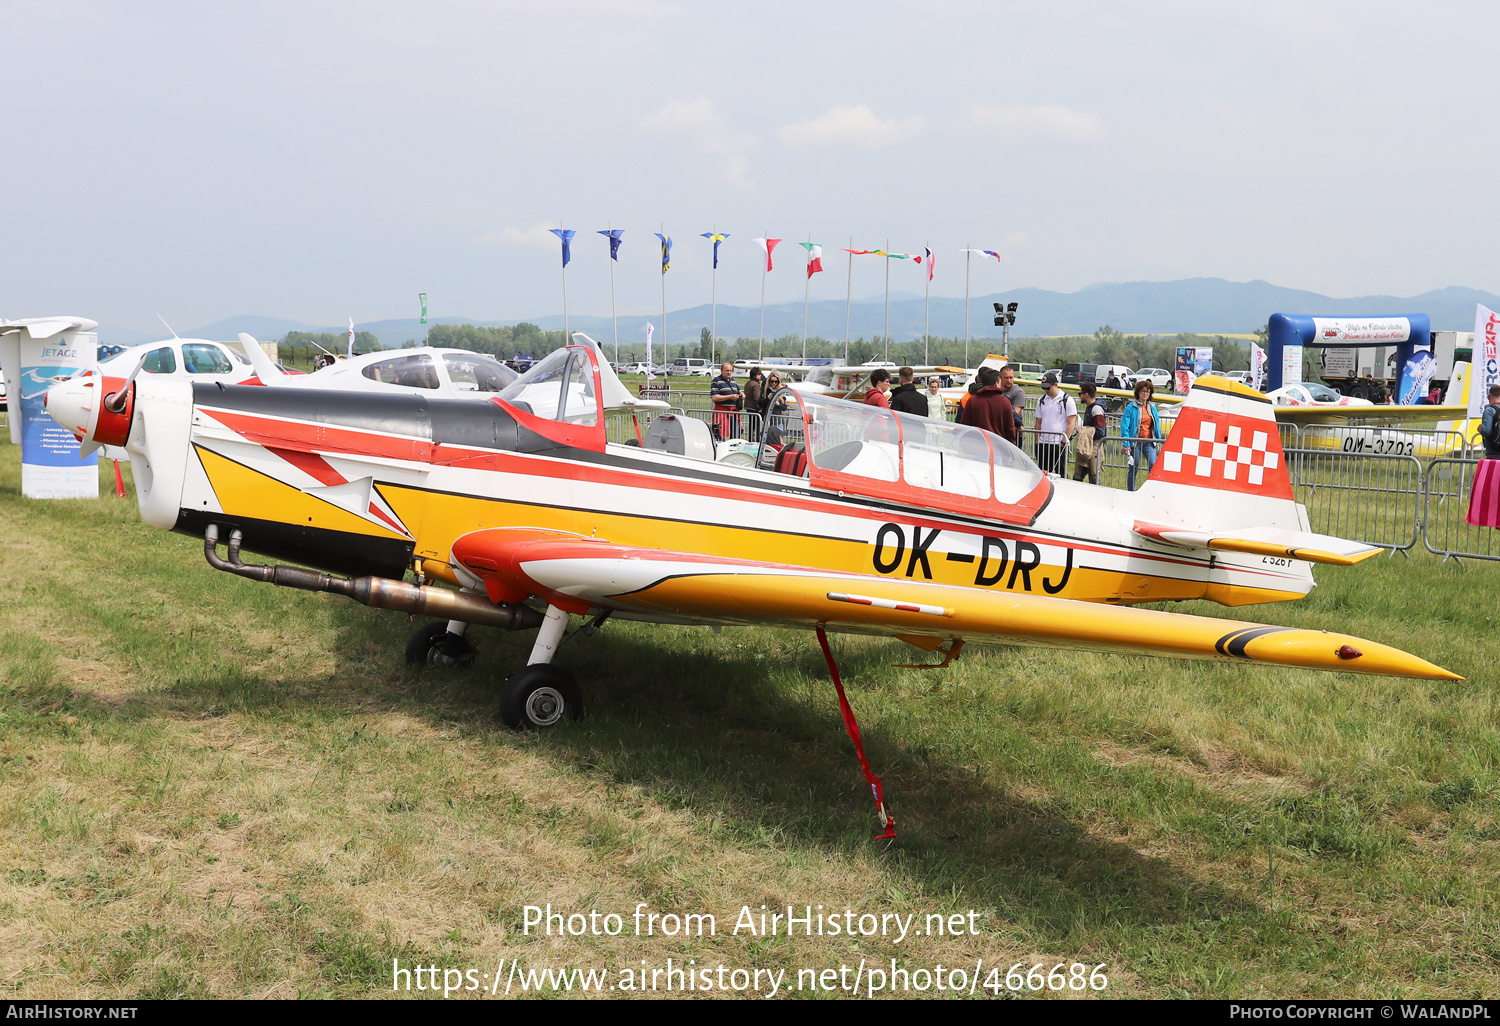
[
  {"x": 614, "y": 235},
  {"x": 814, "y": 257},
  {"x": 716, "y": 238},
  {"x": 767, "y": 246},
  {"x": 422, "y": 296},
  {"x": 895, "y": 256},
  {"x": 649, "y": 329},
  {"x": 931, "y": 261},
  {"x": 862, "y": 252},
  {"x": 351, "y": 336},
  {"x": 567, "y": 237},
  {"x": 985, "y": 253},
  {"x": 666, "y": 251}
]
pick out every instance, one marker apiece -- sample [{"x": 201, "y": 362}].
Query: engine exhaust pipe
[{"x": 379, "y": 592}]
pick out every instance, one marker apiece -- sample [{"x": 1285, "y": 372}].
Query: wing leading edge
[{"x": 580, "y": 574}]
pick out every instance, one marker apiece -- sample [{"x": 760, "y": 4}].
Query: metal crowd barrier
[
  {"x": 1374, "y": 498},
  {"x": 1446, "y": 484}
]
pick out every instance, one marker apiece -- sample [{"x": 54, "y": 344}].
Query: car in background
[
  {"x": 688, "y": 366},
  {"x": 1158, "y": 376},
  {"x": 1312, "y": 393},
  {"x": 1028, "y": 371},
  {"x": 1103, "y": 371},
  {"x": 1076, "y": 373},
  {"x": 1243, "y": 377},
  {"x": 1056, "y": 372}
]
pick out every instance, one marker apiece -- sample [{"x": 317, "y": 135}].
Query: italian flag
[{"x": 814, "y": 257}]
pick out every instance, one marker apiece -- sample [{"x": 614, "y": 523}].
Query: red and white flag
[
  {"x": 351, "y": 336},
  {"x": 931, "y": 261},
  {"x": 814, "y": 257},
  {"x": 767, "y": 246}
]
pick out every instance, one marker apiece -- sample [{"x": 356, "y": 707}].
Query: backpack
[{"x": 1490, "y": 436}]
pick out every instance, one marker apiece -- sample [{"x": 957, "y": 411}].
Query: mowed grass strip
[{"x": 214, "y": 787}]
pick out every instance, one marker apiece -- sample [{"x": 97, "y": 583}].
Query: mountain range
[{"x": 1202, "y": 305}]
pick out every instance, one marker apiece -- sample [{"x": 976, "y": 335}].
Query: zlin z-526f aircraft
[{"x": 863, "y": 521}]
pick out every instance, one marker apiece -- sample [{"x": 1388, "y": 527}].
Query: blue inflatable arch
[{"x": 1301, "y": 331}]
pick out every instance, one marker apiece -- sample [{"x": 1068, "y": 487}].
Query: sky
[{"x": 317, "y": 161}]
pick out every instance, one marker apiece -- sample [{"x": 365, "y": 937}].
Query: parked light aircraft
[{"x": 869, "y": 522}]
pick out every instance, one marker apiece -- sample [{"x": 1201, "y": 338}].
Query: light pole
[{"x": 1004, "y": 318}]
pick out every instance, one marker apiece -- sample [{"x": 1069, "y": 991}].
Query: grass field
[{"x": 215, "y": 787}]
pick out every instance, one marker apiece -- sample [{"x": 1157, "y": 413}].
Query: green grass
[{"x": 214, "y": 787}]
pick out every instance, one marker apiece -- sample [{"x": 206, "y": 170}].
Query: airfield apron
[{"x": 1484, "y": 497}]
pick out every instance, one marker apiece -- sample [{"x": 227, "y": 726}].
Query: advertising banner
[
  {"x": 1363, "y": 329},
  {"x": 1291, "y": 364},
  {"x": 1486, "y": 359},
  {"x": 50, "y": 465},
  {"x": 1415, "y": 376},
  {"x": 1257, "y": 368},
  {"x": 1192, "y": 363}
]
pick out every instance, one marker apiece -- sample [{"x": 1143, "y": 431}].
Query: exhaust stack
[{"x": 378, "y": 592}]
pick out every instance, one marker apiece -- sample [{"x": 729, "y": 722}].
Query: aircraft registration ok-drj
[{"x": 865, "y": 521}]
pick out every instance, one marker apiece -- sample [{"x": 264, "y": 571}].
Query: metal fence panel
[
  {"x": 1367, "y": 497},
  {"x": 1446, "y": 485}
]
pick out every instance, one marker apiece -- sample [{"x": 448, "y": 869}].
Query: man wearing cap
[{"x": 1056, "y": 422}]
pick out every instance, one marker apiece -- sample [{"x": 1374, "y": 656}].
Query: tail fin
[
  {"x": 1222, "y": 465},
  {"x": 267, "y": 371}
]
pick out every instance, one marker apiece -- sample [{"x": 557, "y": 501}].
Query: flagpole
[
  {"x": 762, "y": 354},
  {"x": 666, "y": 347},
  {"x": 566, "y": 336},
  {"x": 848, "y": 300},
  {"x": 887, "y": 356},
  {"x": 968, "y": 262},
  {"x": 713, "y": 318},
  {"x": 927, "y": 311},
  {"x": 806, "y": 285},
  {"x": 613, "y": 314}
]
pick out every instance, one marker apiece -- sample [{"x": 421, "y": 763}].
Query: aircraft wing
[
  {"x": 1359, "y": 415},
  {"x": 579, "y": 574}
]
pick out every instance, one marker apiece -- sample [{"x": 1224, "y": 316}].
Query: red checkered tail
[{"x": 1221, "y": 465}]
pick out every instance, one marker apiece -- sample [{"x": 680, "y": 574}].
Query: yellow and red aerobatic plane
[{"x": 863, "y": 520}]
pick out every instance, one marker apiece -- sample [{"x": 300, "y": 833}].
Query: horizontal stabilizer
[{"x": 1264, "y": 541}]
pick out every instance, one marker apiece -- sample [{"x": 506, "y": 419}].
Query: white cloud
[
  {"x": 1051, "y": 123},
  {"x": 854, "y": 126},
  {"x": 535, "y": 236},
  {"x": 702, "y": 121},
  {"x": 684, "y": 116}
]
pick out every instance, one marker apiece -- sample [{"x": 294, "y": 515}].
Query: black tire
[
  {"x": 432, "y": 645},
  {"x": 540, "y": 696}
]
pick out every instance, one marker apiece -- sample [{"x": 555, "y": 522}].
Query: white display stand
[{"x": 35, "y": 351}]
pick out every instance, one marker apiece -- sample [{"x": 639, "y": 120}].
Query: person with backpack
[
  {"x": 1489, "y": 425},
  {"x": 1088, "y": 456},
  {"x": 1484, "y": 497}
]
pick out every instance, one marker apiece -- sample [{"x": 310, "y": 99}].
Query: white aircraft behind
[{"x": 443, "y": 373}]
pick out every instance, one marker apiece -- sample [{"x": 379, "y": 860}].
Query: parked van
[
  {"x": 1073, "y": 373},
  {"x": 1119, "y": 370},
  {"x": 685, "y": 366}
]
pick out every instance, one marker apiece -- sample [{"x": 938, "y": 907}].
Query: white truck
[{"x": 1369, "y": 372}]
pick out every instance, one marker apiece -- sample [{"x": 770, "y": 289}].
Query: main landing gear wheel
[
  {"x": 433, "y": 645},
  {"x": 541, "y": 695}
]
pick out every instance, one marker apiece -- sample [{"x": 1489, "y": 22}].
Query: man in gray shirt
[{"x": 1015, "y": 393}]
